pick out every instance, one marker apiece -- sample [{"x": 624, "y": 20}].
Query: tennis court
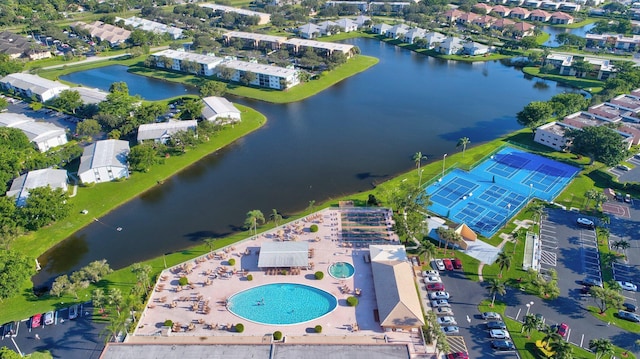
[{"x": 498, "y": 188}]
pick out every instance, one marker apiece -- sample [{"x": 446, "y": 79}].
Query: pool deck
[{"x": 187, "y": 306}]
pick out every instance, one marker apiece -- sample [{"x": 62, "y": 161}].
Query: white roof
[
  {"x": 104, "y": 154},
  {"x": 91, "y": 95},
  {"x": 236, "y": 10},
  {"x": 252, "y": 36},
  {"x": 36, "y": 84},
  {"x": 35, "y": 131},
  {"x": 153, "y": 131},
  {"x": 260, "y": 68},
  {"x": 319, "y": 44},
  {"x": 284, "y": 254},
  {"x": 153, "y": 26},
  {"x": 214, "y": 106},
  {"x": 183, "y": 55},
  {"x": 35, "y": 179}
]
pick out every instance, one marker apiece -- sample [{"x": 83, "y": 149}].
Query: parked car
[
  {"x": 438, "y": 264},
  {"x": 435, "y": 286},
  {"x": 439, "y": 295},
  {"x": 447, "y": 264},
  {"x": 585, "y": 223},
  {"x": 562, "y": 329},
  {"x": 432, "y": 279},
  {"x": 48, "y": 318},
  {"x": 73, "y": 312},
  {"x": 499, "y": 334},
  {"x": 457, "y": 263},
  {"x": 503, "y": 345},
  {"x": 628, "y": 286},
  {"x": 619, "y": 196},
  {"x": 430, "y": 273},
  {"x": 585, "y": 290},
  {"x": 458, "y": 355},
  {"x": 36, "y": 320},
  {"x": 590, "y": 281},
  {"x": 627, "y": 198},
  {"x": 448, "y": 320},
  {"x": 440, "y": 303},
  {"x": 443, "y": 311},
  {"x": 632, "y": 317},
  {"x": 491, "y": 316},
  {"x": 623, "y": 167},
  {"x": 629, "y": 307},
  {"x": 496, "y": 325},
  {"x": 450, "y": 329}
]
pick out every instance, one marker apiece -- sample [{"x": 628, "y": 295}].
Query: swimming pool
[
  {"x": 341, "y": 270},
  {"x": 282, "y": 304}
]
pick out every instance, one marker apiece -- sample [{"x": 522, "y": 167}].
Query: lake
[
  {"x": 361, "y": 131},
  {"x": 147, "y": 87},
  {"x": 553, "y": 31}
]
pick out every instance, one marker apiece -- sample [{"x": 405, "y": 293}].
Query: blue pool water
[
  {"x": 498, "y": 188},
  {"x": 282, "y": 304},
  {"x": 341, "y": 270}
]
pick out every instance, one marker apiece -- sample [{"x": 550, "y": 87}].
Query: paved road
[{"x": 98, "y": 58}]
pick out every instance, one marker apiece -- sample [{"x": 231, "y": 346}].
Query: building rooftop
[
  {"x": 50, "y": 177},
  {"x": 152, "y": 26},
  {"x": 190, "y": 56},
  {"x": 609, "y": 111},
  {"x": 104, "y": 153},
  {"x": 34, "y": 83},
  {"x": 253, "y": 36},
  {"x": 153, "y": 131},
  {"x": 91, "y": 95},
  {"x": 35, "y": 131},
  {"x": 583, "y": 119},
  {"x": 260, "y": 68},
  {"x": 629, "y": 102},
  {"x": 320, "y": 44},
  {"x": 214, "y": 106}
]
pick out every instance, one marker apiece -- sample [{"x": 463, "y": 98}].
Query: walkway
[{"x": 96, "y": 58}]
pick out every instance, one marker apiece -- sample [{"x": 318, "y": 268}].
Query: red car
[
  {"x": 458, "y": 355},
  {"x": 457, "y": 263},
  {"x": 563, "y": 328},
  {"x": 35, "y": 320},
  {"x": 447, "y": 264},
  {"x": 435, "y": 287}
]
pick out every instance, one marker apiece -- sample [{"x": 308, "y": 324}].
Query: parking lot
[{"x": 79, "y": 338}]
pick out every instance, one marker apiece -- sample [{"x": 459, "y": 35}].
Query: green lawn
[
  {"x": 576, "y": 25},
  {"x": 592, "y": 86}
]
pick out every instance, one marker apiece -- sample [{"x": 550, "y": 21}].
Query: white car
[
  {"x": 443, "y": 311},
  {"x": 628, "y": 286},
  {"x": 438, "y": 264},
  {"x": 432, "y": 279},
  {"x": 439, "y": 295},
  {"x": 450, "y": 329},
  {"x": 440, "y": 303},
  {"x": 499, "y": 334},
  {"x": 447, "y": 320},
  {"x": 491, "y": 316},
  {"x": 585, "y": 222},
  {"x": 430, "y": 273}
]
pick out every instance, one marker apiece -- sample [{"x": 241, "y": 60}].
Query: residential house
[
  {"x": 549, "y": 6},
  {"x": 515, "y": 2},
  {"x": 263, "y": 18},
  {"x": 268, "y": 76},
  {"x": 161, "y": 132},
  {"x": 380, "y": 29},
  {"x": 43, "y": 135},
  {"x": 329, "y": 28},
  {"x": 376, "y": 7},
  {"x": 561, "y": 18},
  {"x": 362, "y": 6},
  {"x": 519, "y": 13},
  {"x": 104, "y": 32},
  {"x": 257, "y": 41},
  {"x": 48, "y": 177},
  {"x": 220, "y": 110},
  {"x": 32, "y": 86},
  {"x": 413, "y": 34},
  {"x": 397, "y": 31},
  {"x": 467, "y": 18},
  {"x": 539, "y": 15},
  {"x": 453, "y": 15},
  {"x": 523, "y": 28},
  {"x": 484, "y": 21},
  {"x": 559, "y": 61},
  {"x": 347, "y": 25},
  {"x": 482, "y": 8},
  {"x": 17, "y": 46},
  {"x": 152, "y": 26},
  {"x": 433, "y": 39},
  {"x": 552, "y": 135},
  {"x": 474, "y": 49},
  {"x": 362, "y": 21},
  {"x": 90, "y": 95},
  {"x": 571, "y": 7},
  {"x": 104, "y": 161},
  {"x": 187, "y": 62},
  {"x": 501, "y": 24},
  {"x": 501, "y": 10},
  {"x": 532, "y": 4},
  {"x": 309, "y": 31},
  {"x": 450, "y": 46}
]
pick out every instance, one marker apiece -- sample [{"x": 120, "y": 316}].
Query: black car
[
  {"x": 503, "y": 345},
  {"x": 629, "y": 316},
  {"x": 496, "y": 325},
  {"x": 590, "y": 281},
  {"x": 629, "y": 307},
  {"x": 10, "y": 329}
]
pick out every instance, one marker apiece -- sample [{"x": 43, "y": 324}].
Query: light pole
[
  {"x": 530, "y": 190},
  {"x": 444, "y": 158},
  {"x": 420, "y": 178},
  {"x": 529, "y": 305}
]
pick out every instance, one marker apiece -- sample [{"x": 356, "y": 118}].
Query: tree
[
  {"x": 530, "y": 323},
  {"x": 528, "y": 42},
  {"x": 503, "y": 261},
  {"x": 212, "y": 88},
  {"x": 60, "y": 286},
  {"x": 142, "y": 157},
  {"x": 253, "y": 217},
  {"x": 88, "y": 127},
  {"x": 44, "y": 206},
  {"x": 463, "y": 142},
  {"x": 96, "y": 270},
  {"x": 417, "y": 158},
  {"x": 600, "y": 198},
  {"x": 537, "y": 209},
  {"x": 426, "y": 250},
  {"x": 191, "y": 109},
  {"x": 581, "y": 67},
  {"x": 143, "y": 273},
  {"x": 495, "y": 287},
  {"x": 118, "y": 103},
  {"x": 275, "y": 216},
  {"x": 210, "y": 242},
  {"x": 605, "y": 298},
  {"x": 99, "y": 299},
  {"x": 534, "y": 114},
  {"x": 114, "y": 298},
  {"x": 621, "y": 244},
  {"x": 68, "y": 100},
  {"x": 226, "y": 73},
  {"x": 601, "y": 347},
  {"x": 567, "y": 103},
  {"x": 600, "y": 143},
  {"x": 561, "y": 349},
  {"x": 589, "y": 196},
  {"x": 6, "y": 353},
  {"x": 550, "y": 336},
  {"x": 248, "y": 77}
]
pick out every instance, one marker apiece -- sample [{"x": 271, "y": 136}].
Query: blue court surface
[{"x": 498, "y": 188}]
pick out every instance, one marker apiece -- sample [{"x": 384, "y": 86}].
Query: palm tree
[
  {"x": 550, "y": 336},
  {"x": 503, "y": 261},
  {"x": 463, "y": 141},
  {"x": 590, "y": 195},
  {"x": 562, "y": 350},
  {"x": 211, "y": 242},
  {"x": 98, "y": 298},
  {"x": 312, "y": 203},
  {"x": 530, "y": 323},
  {"x": 495, "y": 287},
  {"x": 253, "y": 217},
  {"x": 426, "y": 250},
  {"x": 417, "y": 158},
  {"x": 601, "y": 347},
  {"x": 143, "y": 273},
  {"x": 275, "y": 216},
  {"x": 605, "y": 220},
  {"x": 516, "y": 238},
  {"x": 600, "y": 198},
  {"x": 537, "y": 209},
  {"x": 115, "y": 298},
  {"x": 622, "y": 244}
]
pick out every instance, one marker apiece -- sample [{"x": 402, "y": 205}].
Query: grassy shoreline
[{"x": 592, "y": 86}]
